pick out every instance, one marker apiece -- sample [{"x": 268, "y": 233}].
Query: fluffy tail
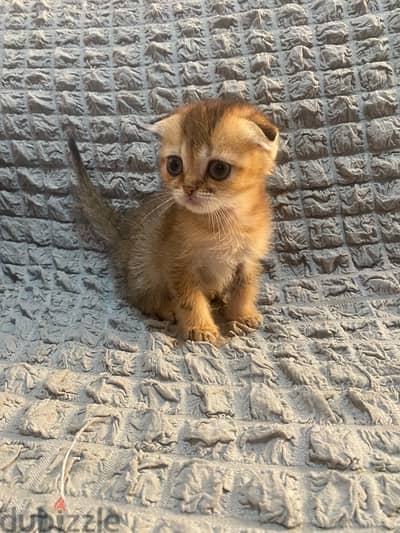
[{"x": 104, "y": 220}]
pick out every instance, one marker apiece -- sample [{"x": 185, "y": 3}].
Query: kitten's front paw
[
  {"x": 205, "y": 333},
  {"x": 245, "y": 324}
]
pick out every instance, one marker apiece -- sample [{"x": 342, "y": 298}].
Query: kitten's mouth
[
  {"x": 194, "y": 200},
  {"x": 195, "y": 203}
]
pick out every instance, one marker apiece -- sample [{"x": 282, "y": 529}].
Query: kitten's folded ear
[
  {"x": 264, "y": 133},
  {"x": 270, "y": 130},
  {"x": 160, "y": 127}
]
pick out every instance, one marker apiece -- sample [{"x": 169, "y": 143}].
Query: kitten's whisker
[
  {"x": 166, "y": 204},
  {"x": 211, "y": 218},
  {"x": 217, "y": 223},
  {"x": 229, "y": 221},
  {"x": 224, "y": 226},
  {"x": 225, "y": 236},
  {"x": 213, "y": 215},
  {"x": 157, "y": 197}
]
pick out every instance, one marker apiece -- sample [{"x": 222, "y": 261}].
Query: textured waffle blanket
[{"x": 295, "y": 426}]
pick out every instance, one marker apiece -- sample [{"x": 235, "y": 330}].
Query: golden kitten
[{"x": 203, "y": 236}]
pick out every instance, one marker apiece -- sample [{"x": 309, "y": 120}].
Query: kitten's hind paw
[{"x": 245, "y": 324}]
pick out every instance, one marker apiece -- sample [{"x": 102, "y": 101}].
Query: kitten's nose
[{"x": 189, "y": 188}]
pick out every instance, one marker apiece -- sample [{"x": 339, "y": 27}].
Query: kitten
[{"x": 203, "y": 236}]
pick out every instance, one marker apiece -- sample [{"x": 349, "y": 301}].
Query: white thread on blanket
[{"x": 64, "y": 464}]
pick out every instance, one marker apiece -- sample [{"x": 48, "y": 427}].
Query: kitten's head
[{"x": 214, "y": 152}]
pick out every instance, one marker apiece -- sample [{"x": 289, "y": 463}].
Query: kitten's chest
[
  {"x": 217, "y": 265},
  {"x": 216, "y": 256}
]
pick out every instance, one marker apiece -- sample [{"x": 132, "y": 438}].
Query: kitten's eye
[
  {"x": 174, "y": 165},
  {"x": 219, "y": 170}
]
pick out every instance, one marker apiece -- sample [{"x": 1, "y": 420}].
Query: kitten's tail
[{"x": 104, "y": 220}]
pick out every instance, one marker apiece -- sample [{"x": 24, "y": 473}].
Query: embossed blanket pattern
[{"x": 295, "y": 426}]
